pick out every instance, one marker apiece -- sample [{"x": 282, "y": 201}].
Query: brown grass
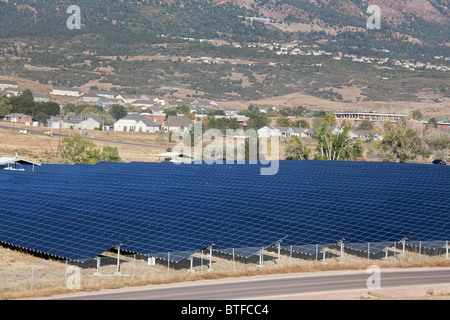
[{"x": 49, "y": 275}]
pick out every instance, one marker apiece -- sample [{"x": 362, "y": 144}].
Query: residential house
[
  {"x": 40, "y": 98},
  {"x": 143, "y": 104},
  {"x": 268, "y": 132},
  {"x": 307, "y": 132},
  {"x": 18, "y": 117},
  {"x": 103, "y": 94},
  {"x": 242, "y": 120},
  {"x": 134, "y": 122},
  {"x": 108, "y": 103},
  {"x": 129, "y": 98},
  {"x": 7, "y": 84},
  {"x": 363, "y": 134},
  {"x": 178, "y": 123},
  {"x": 11, "y": 92},
  {"x": 277, "y": 131},
  {"x": 158, "y": 118},
  {"x": 65, "y": 91},
  {"x": 90, "y": 98},
  {"x": 81, "y": 122}
]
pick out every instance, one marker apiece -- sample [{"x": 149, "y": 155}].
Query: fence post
[
  {"x": 420, "y": 249},
  {"x": 65, "y": 275},
  {"x": 201, "y": 261},
  {"x": 134, "y": 264},
  {"x": 210, "y": 259},
  {"x": 168, "y": 262},
  {"x": 279, "y": 254},
  {"x": 446, "y": 250},
  {"x": 368, "y": 251},
  {"x": 234, "y": 265},
  {"x": 192, "y": 262},
  {"x": 32, "y": 276},
  {"x": 118, "y": 273},
  {"x": 290, "y": 257},
  {"x": 395, "y": 250},
  {"x": 404, "y": 245}
]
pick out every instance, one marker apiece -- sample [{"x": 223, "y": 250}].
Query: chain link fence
[{"x": 24, "y": 271}]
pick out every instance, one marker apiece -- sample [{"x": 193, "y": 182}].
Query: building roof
[
  {"x": 143, "y": 102},
  {"x": 140, "y": 118},
  {"x": 178, "y": 121},
  {"x": 20, "y": 115},
  {"x": 4, "y": 161},
  {"x": 67, "y": 89}
]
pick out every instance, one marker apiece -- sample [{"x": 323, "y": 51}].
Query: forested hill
[{"x": 112, "y": 26}]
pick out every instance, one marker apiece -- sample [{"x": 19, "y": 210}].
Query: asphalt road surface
[{"x": 268, "y": 287}]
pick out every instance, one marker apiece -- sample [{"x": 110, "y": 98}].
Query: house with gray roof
[
  {"x": 83, "y": 121},
  {"x": 178, "y": 123},
  {"x": 134, "y": 122}
]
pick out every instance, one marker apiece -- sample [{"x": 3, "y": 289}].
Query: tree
[
  {"x": 183, "y": 109},
  {"x": 41, "y": 117},
  {"x": 417, "y": 115},
  {"x": 365, "y": 125},
  {"x": 295, "y": 150},
  {"x": 170, "y": 112},
  {"x": 432, "y": 124},
  {"x": 110, "y": 154},
  {"x": 333, "y": 141},
  {"x": 117, "y": 111},
  {"x": 284, "y": 122},
  {"x": 76, "y": 149},
  {"x": 91, "y": 110},
  {"x": 401, "y": 142},
  {"x": 5, "y": 107}
]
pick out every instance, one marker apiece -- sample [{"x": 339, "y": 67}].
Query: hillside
[{"x": 234, "y": 50}]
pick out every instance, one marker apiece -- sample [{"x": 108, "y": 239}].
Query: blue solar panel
[{"x": 163, "y": 209}]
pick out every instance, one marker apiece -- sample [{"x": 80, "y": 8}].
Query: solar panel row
[{"x": 79, "y": 211}]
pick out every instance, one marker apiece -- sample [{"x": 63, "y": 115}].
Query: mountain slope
[{"x": 34, "y": 36}]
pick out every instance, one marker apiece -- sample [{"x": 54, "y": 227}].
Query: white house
[
  {"x": 103, "y": 94},
  {"x": 7, "y": 84},
  {"x": 64, "y": 91},
  {"x": 136, "y": 123},
  {"x": 268, "y": 131},
  {"x": 276, "y": 131}
]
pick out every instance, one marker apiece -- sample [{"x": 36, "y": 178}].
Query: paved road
[{"x": 262, "y": 288}]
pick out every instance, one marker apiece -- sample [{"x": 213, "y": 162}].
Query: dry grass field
[
  {"x": 24, "y": 275},
  {"x": 132, "y": 146},
  {"x": 427, "y": 107}
]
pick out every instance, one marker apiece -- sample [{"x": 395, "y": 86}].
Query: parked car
[{"x": 439, "y": 161}]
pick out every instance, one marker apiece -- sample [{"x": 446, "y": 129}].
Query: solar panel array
[{"x": 172, "y": 211}]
